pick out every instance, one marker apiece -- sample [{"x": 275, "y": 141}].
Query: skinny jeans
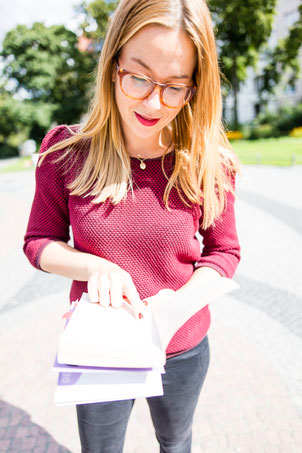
[{"x": 102, "y": 426}]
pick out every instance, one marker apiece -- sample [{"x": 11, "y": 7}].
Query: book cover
[{"x": 80, "y": 388}]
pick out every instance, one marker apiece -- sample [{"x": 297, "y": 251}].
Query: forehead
[{"x": 162, "y": 49}]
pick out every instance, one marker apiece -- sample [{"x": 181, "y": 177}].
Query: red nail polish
[
  {"x": 140, "y": 316},
  {"x": 145, "y": 302}
]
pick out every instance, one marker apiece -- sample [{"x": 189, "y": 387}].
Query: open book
[{"x": 109, "y": 337}]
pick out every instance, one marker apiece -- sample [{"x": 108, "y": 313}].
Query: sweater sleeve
[
  {"x": 221, "y": 249},
  {"x": 49, "y": 216}
]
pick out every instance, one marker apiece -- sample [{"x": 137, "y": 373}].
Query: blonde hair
[{"x": 204, "y": 160}]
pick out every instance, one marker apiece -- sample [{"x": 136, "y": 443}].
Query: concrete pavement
[{"x": 252, "y": 398}]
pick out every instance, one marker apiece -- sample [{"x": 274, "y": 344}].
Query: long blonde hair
[{"x": 204, "y": 160}]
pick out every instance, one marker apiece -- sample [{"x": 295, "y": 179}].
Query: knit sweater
[{"x": 158, "y": 248}]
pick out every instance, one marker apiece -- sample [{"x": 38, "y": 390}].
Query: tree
[
  {"x": 283, "y": 58},
  {"x": 242, "y": 30},
  {"x": 97, "y": 13},
  {"x": 43, "y": 67}
]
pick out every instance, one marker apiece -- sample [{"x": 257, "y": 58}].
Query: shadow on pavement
[
  {"x": 19, "y": 434},
  {"x": 281, "y": 305},
  {"x": 287, "y": 214}
]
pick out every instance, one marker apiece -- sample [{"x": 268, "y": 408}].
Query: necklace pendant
[{"x": 142, "y": 165}]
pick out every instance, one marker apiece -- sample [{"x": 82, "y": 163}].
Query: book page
[
  {"x": 170, "y": 314},
  {"x": 110, "y": 337}
]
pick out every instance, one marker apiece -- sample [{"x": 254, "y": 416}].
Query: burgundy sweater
[{"x": 158, "y": 248}]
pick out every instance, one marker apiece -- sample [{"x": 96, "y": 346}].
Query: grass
[
  {"x": 22, "y": 164},
  {"x": 282, "y": 151}
]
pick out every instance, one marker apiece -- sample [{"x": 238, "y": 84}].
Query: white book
[{"x": 109, "y": 337}]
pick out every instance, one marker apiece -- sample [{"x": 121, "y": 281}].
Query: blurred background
[
  {"x": 49, "y": 51},
  {"x": 252, "y": 398}
]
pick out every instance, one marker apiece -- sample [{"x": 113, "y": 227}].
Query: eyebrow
[{"x": 139, "y": 61}]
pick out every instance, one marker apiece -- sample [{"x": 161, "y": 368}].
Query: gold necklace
[{"x": 142, "y": 160}]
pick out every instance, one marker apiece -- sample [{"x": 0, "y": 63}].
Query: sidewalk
[{"x": 252, "y": 398}]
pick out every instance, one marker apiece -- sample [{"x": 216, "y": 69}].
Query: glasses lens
[
  {"x": 175, "y": 95},
  {"x": 136, "y": 86}
]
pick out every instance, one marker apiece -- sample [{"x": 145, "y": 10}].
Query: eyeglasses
[{"x": 138, "y": 86}]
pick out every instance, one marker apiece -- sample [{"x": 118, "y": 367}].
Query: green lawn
[
  {"x": 22, "y": 164},
  {"x": 271, "y": 151}
]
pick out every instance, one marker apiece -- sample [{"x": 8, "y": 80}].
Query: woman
[{"x": 150, "y": 167}]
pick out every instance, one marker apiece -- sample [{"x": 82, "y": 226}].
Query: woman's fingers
[
  {"x": 132, "y": 295},
  {"x": 116, "y": 296},
  {"x": 115, "y": 288},
  {"x": 104, "y": 290},
  {"x": 92, "y": 287}
]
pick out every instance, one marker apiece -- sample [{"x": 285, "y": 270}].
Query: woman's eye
[
  {"x": 138, "y": 79},
  {"x": 176, "y": 89}
]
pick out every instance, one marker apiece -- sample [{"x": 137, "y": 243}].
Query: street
[{"x": 252, "y": 398}]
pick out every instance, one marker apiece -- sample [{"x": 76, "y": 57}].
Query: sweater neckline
[{"x": 170, "y": 153}]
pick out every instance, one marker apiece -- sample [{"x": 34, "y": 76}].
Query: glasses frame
[{"x": 122, "y": 72}]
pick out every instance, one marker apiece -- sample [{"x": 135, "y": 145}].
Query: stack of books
[{"x": 106, "y": 354}]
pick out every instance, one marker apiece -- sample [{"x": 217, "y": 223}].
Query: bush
[
  {"x": 289, "y": 118},
  {"x": 274, "y": 124},
  {"x": 284, "y": 120},
  {"x": 7, "y": 151},
  {"x": 262, "y": 131}
]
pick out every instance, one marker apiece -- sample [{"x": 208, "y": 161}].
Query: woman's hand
[{"x": 109, "y": 284}]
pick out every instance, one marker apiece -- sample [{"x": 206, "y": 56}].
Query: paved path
[{"x": 252, "y": 398}]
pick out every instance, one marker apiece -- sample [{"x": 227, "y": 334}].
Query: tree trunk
[{"x": 235, "y": 86}]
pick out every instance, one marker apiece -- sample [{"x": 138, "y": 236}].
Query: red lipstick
[{"x": 146, "y": 121}]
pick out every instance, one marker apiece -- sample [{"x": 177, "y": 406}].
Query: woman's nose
[{"x": 153, "y": 100}]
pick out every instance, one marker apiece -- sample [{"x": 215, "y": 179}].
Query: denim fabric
[{"x": 102, "y": 426}]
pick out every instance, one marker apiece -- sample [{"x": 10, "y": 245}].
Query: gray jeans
[{"x": 102, "y": 426}]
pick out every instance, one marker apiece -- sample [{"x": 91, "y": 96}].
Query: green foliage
[
  {"x": 284, "y": 57},
  {"x": 10, "y": 115},
  {"x": 285, "y": 119},
  {"x": 13, "y": 118},
  {"x": 97, "y": 14},
  {"x": 7, "y": 150},
  {"x": 265, "y": 130},
  {"x": 45, "y": 65},
  {"x": 242, "y": 29},
  {"x": 268, "y": 124}
]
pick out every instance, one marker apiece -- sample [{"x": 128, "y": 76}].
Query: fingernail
[
  {"x": 67, "y": 315},
  {"x": 145, "y": 302},
  {"x": 140, "y": 316}
]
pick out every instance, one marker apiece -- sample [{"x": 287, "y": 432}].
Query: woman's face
[{"x": 164, "y": 55}]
